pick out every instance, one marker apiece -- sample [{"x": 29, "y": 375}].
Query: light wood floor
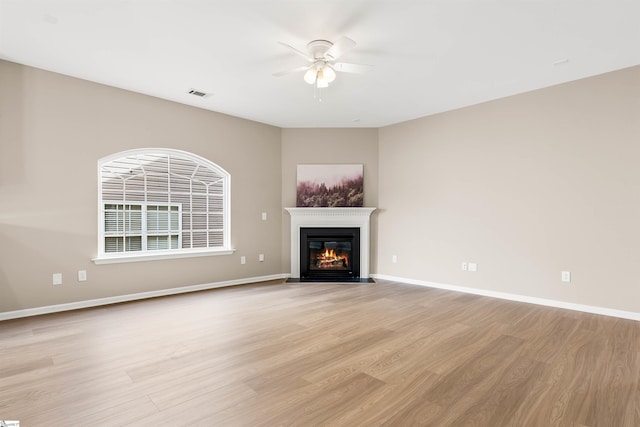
[{"x": 321, "y": 354}]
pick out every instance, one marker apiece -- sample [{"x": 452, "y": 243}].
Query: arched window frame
[{"x": 220, "y": 244}]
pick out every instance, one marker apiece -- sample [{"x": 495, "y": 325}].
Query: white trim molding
[
  {"x": 330, "y": 217},
  {"x": 515, "y": 297},
  {"x": 119, "y": 257},
  {"x": 133, "y": 297}
]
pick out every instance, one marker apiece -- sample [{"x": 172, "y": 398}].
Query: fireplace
[
  {"x": 329, "y": 253},
  {"x": 331, "y": 218}
]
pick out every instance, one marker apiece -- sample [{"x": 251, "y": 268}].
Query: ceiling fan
[{"x": 322, "y": 56}]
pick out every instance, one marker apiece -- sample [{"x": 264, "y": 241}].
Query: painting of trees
[{"x": 330, "y": 186}]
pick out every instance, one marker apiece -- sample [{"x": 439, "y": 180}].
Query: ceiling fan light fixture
[
  {"x": 320, "y": 76},
  {"x": 322, "y": 83},
  {"x": 328, "y": 73},
  {"x": 311, "y": 75}
]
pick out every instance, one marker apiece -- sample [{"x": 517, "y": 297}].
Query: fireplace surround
[{"x": 328, "y": 218}]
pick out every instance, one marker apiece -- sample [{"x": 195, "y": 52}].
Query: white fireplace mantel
[{"x": 330, "y": 217}]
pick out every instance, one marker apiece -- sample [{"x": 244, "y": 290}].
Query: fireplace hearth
[{"x": 329, "y": 253}]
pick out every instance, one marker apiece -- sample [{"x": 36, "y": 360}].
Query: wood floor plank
[
  {"x": 417, "y": 351},
  {"x": 321, "y": 407},
  {"x": 547, "y": 402},
  {"x": 199, "y": 409},
  {"x": 476, "y": 368},
  {"x": 294, "y": 370},
  {"x": 321, "y": 354},
  {"x": 497, "y": 407}
]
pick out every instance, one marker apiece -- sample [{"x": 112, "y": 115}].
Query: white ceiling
[{"x": 427, "y": 56}]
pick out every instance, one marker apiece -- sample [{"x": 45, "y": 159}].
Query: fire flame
[
  {"x": 329, "y": 257},
  {"x": 329, "y": 254}
]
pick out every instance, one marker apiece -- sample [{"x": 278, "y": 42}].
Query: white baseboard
[
  {"x": 133, "y": 297},
  {"x": 194, "y": 288},
  {"x": 514, "y": 297}
]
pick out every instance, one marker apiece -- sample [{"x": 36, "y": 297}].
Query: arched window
[{"x": 161, "y": 203}]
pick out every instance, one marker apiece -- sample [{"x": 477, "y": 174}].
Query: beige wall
[
  {"x": 321, "y": 146},
  {"x": 53, "y": 130},
  {"x": 524, "y": 186}
]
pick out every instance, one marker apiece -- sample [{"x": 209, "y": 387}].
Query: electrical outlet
[
  {"x": 473, "y": 267},
  {"x": 394, "y": 259},
  {"x": 261, "y": 257},
  {"x": 243, "y": 260},
  {"x": 565, "y": 276},
  {"x": 57, "y": 279},
  {"x": 464, "y": 266},
  {"x": 82, "y": 275}
]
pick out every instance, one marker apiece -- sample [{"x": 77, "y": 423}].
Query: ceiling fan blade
[
  {"x": 344, "y": 44},
  {"x": 345, "y": 67},
  {"x": 284, "y": 73},
  {"x": 299, "y": 52}
]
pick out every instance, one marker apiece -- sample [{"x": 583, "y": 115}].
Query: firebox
[{"x": 329, "y": 253}]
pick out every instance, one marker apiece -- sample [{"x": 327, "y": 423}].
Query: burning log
[{"x": 330, "y": 260}]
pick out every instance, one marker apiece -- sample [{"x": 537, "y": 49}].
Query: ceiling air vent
[{"x": 197, "y": 93}]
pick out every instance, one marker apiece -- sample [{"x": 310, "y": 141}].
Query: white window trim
[
  {"x": 122, "y": 257},
  {"x": 119, "y": 257}
]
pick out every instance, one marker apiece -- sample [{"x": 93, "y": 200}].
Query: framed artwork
[{"x": 330, "y": 186}]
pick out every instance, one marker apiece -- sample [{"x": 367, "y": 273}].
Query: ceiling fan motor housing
[{"x": 317, "y": 48}]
